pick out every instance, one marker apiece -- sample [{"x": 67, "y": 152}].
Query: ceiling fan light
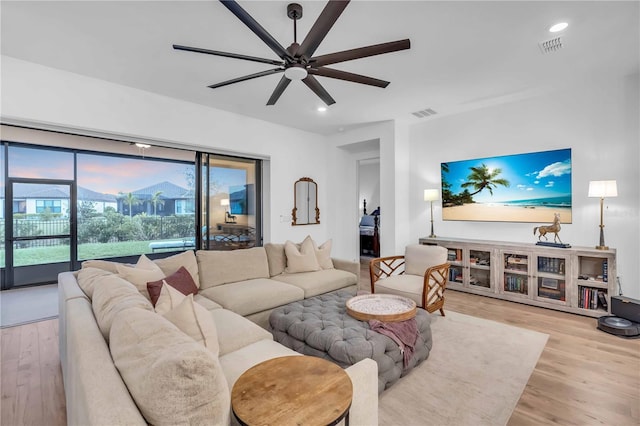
[
  {"x": 295, "y": 73},
  {"x": 558, "y": 27}
]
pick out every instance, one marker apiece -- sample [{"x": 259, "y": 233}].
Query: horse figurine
[{"x": 554, "y": 228}]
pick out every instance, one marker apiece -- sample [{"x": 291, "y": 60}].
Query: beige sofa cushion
[
  {"x": 319, "y": 282},
  {"x": 237, "y": 362},
  {"x": 419, "y": 257},
  {"x": 173, "y": 380},
  {"x": 235, "y": 331},
  {"x": 196, "y": 322},
  {"x": 301, "y": 258},
  {"x": 206, "y": 302},
  {"x": 88, "y": 277},
  {"x": 251, "y": 296},
  {"x": 171, "y": 264},
  {"x": 222, "y": 267},
  {"x": 276, "y": 257},
  {"x": 112, "y": 295}
]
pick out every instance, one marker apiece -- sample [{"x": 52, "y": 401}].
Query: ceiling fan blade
[
  {"x": 247, "y": 77},
  {"x": 347, "y": 76},
  {"x": 362, "y": 52},
  {"x": 258, "y": 30},
  {"x": 321, "y": 27},
  {"x": 228, "y": 55},
  {"x": 277, "y": 92},
  {"x": 317, "y": 88}
]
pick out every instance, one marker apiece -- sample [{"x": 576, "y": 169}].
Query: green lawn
[{"x": 41, "y": 255}]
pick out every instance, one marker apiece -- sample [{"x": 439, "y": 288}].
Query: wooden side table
[{"x": 292, "y": 390}]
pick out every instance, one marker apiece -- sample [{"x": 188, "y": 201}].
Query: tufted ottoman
[{"x": 320, "y": 326}]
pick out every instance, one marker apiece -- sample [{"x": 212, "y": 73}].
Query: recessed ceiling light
[
  {"x": 322, "y": 109},
  {"x": 558, "y": 27}
]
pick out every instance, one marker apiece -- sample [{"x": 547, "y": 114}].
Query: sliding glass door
[{"x": 230, "y": 208}]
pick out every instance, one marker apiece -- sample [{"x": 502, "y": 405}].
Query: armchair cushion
[
  {"x": 418, "y": 258},
  {"x": 409, "y": 286}
]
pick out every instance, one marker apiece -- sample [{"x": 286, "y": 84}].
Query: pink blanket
[{"x": 404, "y": 333}]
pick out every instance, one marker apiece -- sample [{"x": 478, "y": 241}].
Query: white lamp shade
[
  {"x": 603, "y": 188},
  {"x": 224, "y": 202},
  {"x": 431, "y": 194}
]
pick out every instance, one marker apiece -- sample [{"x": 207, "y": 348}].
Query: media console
[{"x": 580, "y": 280}]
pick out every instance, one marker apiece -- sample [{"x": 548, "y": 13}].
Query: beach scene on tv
[{"x": 529, "y": 187}]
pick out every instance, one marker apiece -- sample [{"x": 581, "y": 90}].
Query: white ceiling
[{"x": 463, "y": 55}]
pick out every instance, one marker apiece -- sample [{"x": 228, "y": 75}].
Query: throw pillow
[
  {"x": 323, "y": 254},
  {"x": 303, "y": 260},
  {"x": 196, "y": 322},
  {"x": 106, "y": 265},
  {"x": 172, "y": 379},
  {"x": 181, "y": 280},
  {"x": 169, "y": 299},
  {"x": 89, "y": 277},
  {"x": 171, "y": 264},
  {"x": 144, "y": 272},
  {"x": 111, "y": 297}
]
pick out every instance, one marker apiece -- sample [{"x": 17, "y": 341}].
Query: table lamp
[
  {"x": 601, "y": 189},
  {"x": 431, "y": 195}
]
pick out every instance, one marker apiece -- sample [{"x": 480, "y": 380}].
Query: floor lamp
[
  {"x": 601, "y": 189},
  {"x": 431, "y": 195}
]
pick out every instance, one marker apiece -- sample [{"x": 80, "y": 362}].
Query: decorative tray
[{"x": 382, "y": 307}]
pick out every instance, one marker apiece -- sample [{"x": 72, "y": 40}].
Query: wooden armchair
[{"x": 421, "y": 275}]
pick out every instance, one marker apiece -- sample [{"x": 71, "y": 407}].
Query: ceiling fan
[{"x": 297, "y": 61}]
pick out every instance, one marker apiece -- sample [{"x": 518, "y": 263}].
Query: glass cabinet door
[
  {"x": 516, "y": 273},
  {"x": 456, "y": 271},
  {"x": 551, "y": 282},
  {"x": 480, "y": 268}
]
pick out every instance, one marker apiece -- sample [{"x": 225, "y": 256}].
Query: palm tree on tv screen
[
  {"x": 482, "y": 178},
  {"x": 131, "y": 200}
]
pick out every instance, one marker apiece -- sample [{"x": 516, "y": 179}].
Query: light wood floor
[{"x": 583, "y": 377}]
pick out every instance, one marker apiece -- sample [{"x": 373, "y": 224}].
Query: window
[
  {"x": 19, "y": 206},
  {"x": 185, "y": 206},
  {"x": 133, "y": 205},
  {"x": 50, "y": 206}
]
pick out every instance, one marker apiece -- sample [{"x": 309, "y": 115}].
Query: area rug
[
  {"x": 474, "y": 375},
  {"x": 30, "y": 304}
]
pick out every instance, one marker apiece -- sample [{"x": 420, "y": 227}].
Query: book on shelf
[
  {"x": 605, "y": 270},
  {"x": 591, "y": 298}
]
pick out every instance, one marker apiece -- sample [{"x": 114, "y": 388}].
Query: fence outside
[{"x": 104, "y": 229}]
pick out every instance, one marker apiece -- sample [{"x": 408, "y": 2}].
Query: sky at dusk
[
  {"x": 105, "y": 174},
  {"x": 113, "y": 174},
  {"x": 531, "y": 176}
]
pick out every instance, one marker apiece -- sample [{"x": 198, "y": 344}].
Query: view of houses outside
[{"x": 123, "y": 204}]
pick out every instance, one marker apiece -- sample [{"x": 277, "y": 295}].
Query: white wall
[
  {"x": 38, "y": 94},
  {"x": 598, "y": 122}
]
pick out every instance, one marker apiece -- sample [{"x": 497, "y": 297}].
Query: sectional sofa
[{"x": 126, "y": 362}]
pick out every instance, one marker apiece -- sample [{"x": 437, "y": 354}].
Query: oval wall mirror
[{"x": 305, "y": 203}]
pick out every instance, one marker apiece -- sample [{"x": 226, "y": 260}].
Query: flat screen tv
[{"x": 529, "y": 187}]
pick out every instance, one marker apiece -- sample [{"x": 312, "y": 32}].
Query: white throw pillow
[
  {"x": 172, "y": 379},
  {"x": 303, "y": 260},
  {"x": 323, "y": 254},
  {"x": 169, "y": 299},
  {"x": 196, "y": 322},
  {"x": 144, "y": 272}
]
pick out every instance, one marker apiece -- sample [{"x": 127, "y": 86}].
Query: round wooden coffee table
[
  {"x": 382, "y": 307},
  {"x": 292, "y": 390}
]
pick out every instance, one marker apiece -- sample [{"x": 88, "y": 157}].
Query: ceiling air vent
[
  {"x": 552, "y": 45},
  {"x": 424, "y": 113}
]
